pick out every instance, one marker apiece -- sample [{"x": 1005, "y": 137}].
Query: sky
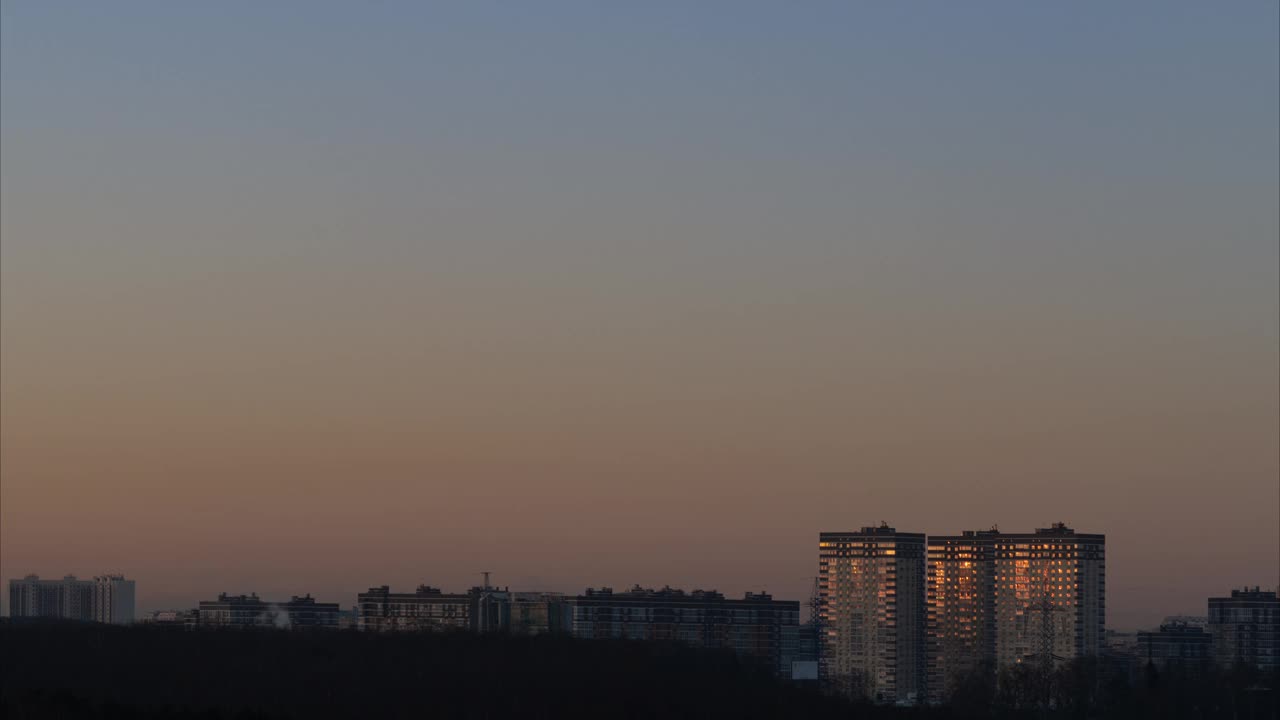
[{"x": 312, "y": 297}]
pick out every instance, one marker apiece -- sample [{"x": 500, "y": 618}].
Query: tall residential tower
[
  {"x": 871, "y": 602},
  {"x": 1050, "y": 601},
  {"x": 960, "y": 628},
  {"x": 113, "y": 599},
  {"x": 1000, "y": 599},
  {"x": 106, "y": 598}
]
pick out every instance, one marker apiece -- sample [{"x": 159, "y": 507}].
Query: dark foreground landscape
[
  {"x": 97, "y": 671},
  {"x": 104, "y": 671}
]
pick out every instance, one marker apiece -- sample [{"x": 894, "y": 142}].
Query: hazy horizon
[{"x": 309, "y": 297}]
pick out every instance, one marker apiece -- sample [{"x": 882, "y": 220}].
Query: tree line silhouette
[{"x": 69, "y": 670}]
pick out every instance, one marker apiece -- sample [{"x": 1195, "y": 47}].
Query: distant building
[
  {"x": 809, "y": 642},
  {"x": 871, "y": 586},
  {"x": 185, "y": 618},
  {"x": 999, "y": 599},
  {"x": 242, "y": 611},
  {"x": 426, "y": 609},
  {"x": 1122, "y": 643},
  {"x": 235, "y": 611},
  {"x": 490, "y": 609},
  {"x": 305, "y": 612},
  {"x": 1199, "y": 621},
  {"x": 539, "y": 613},
  {"x": 107, "y": 599},
  {"x": 66, "y": 599},
  {"x": 1175, "y": 645},
  {"x": 113, "y": 599},
  {"x": 756, "y": 627},
  {"x": 1246, "y": 629},
  {"x": 349, "y": 619}
]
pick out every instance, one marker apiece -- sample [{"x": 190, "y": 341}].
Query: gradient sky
[{"x": 309, "y": 297}]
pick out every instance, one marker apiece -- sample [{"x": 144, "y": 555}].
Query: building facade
[
  {"x": 1245, "y": 628},
  {"x": 1001, "y": 599},
  {"x": 539, "y": 613},
  {"x": 871, "y": 591},
  {"x": 1176, "y": 645},
  {"x": 426, "y": 609},
  {"x": 960, "y": 635},
  {"x": 172, "y": 618},
  {"x": 107, "y": 599},
  {"x": 349, "y": 619},
  {"x": 66, "y": 599},
  {"x": 245, "y": 611},
  {"x": 113, "y": 599},
  {"x": 757, "y": 627},
  {"x": 1050, "y": 595}
]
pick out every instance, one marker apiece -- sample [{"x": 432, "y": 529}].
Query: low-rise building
[
  {"x": 244, "y": 611},
  {"x": 756, "y": 627},
  {"x": 349, "y": 619},
  {"x": 1119, "y": 642},
  {"x": 185, "y": 618},
  {"x": 539, "y": 613},
  {"x": 427, "y": 609}
]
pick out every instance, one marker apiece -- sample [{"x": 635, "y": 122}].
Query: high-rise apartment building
[
  {"x": 1050, "y": 595},
  {"x": 1245, "y": 628},
  {"x": 871, "y": 592},
  {"x": 113, "y": 599},
  {"x": 999, "y": 599},
  {"x": 107, "y": 598},
  {"x": 67, "y": 599},
  {"x": 960, "y": 614}
]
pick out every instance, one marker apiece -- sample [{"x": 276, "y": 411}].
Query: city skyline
[
  {"x": 173, "y": 597},
  {"x": 977, "y": 548},
  {"x": 305, "y": 297}
]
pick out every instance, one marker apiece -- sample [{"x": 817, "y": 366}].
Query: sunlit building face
[
  {"x": 871, "y": 612},
  {"x": 1050, "y": 596},
  {"x": 960, "y": 609},
  {"x": 999, "y": 599}
]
